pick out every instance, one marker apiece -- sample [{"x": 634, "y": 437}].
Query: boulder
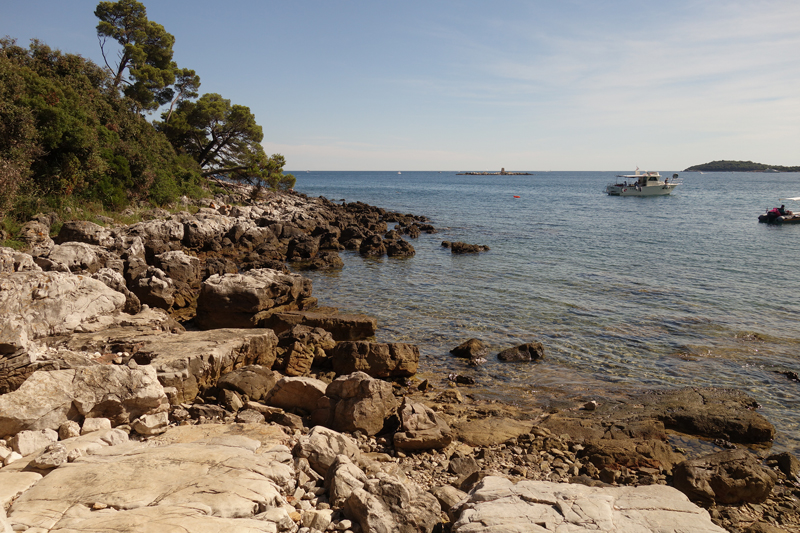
[
  {"x": 302, "y": 248},
  {"x": 464, "y": 248},
  {"x": 470, "y": 349},
  {"x": 372, "y": 246},
  {"x": 190, "y": 361},
  {"x": 420, "y": 428},
  {"x": 399, "y": 248},
  {"x": 179, "y": 266},
  {"x": 205, "y": 230},
  {"x": 344, "y": 327},
  {"x": 296, "y": 393},
  {"x": 53, "y": 456},
  {"x": 79, "y": 257},
  {"x": 449, "y": 497},
  {"x": 496, "y": 505},
  {"x": 253, "y": 381},
  {"x": 156, "y": 230},
  {"x": 385, "y": 503},
  {"x": 730, "y": 477},
  {"x": 154, "y": 288},
  {"x": 296, "y": 359},
  {"x": 531, "y": 351},
  {"x": 360, "y": 403},
  {"x": 152, "y": 424},
  {"x": 14, "y": 261},
  {"x": 37, "y": 304},
  {"x": 232, "y": 300},
  {"x": 91, "y": 425},
  {"x": 85, "y": 232},
  {"x": 36, "y": 235},
  {"x": 376, "y": 359},
  {"x": 115, "y": 281},
  {"x": 30, "y": 441},
  {"x": 302, "y": 346},
  {"x": 342, "y": 478},
  {"x": 48, "y": 399},
  {"x": 322, "y": 446}
]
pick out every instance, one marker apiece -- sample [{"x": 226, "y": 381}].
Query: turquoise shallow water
[{"x": 624, "y": 293}]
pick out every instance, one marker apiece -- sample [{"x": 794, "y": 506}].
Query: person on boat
[{"x": 782, "y": 210}]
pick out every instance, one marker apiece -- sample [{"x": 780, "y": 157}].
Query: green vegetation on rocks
[{"x": 74, "y": 138}]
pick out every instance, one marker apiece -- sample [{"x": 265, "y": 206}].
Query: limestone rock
[
  {"x": 37, "y": 236},
  {"x": 180, "y": 266},
  {"x": 254, "y": 381},
  {"x": 342, "y": 478},
  {"x": 14, "y": 261},
  {"x": 79, "y": 257},
  {"x": 379, "y": 360},
  {"x": 189, "y": 361},
  {"x": 232, "y": 300},
  {"x": 420, "y": 428},
  {"x": 387, "y": 504},
  {"x": 114, "y": 280},
  {"x": 85, "y": 232},
  {"x": 53, "y": 456},
  {"x": 28, "y": 442},
  {"x": 470, "y": 349},
  {"x": 321, "y": 447},
  {"x": 69, "y": 429},
  {"x": 94, "y": 424},
  {"x": 449, "y": 497},
  {"x": 157, "y": 230},
  {"x": 531, "y": 351},
  {"x": 296, "y": 392},
  {"x": 182, "y": 486},
  {"x": 154, "y": 288},
  {"x": 48, "y": 399},
  {"x": 729, "y": 477},
  {"x": 342, "y": 327},
  {"x": 153, "y": 424},
  {"x": 498, "y": 505},
  {"x": 37, "y": 304},
  {"x": 360, "y": 403}
]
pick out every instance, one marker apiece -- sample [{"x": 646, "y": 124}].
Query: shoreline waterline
[{"x": 623, "y": 292}]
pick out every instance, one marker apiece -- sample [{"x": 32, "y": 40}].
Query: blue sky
[{"x": 468, "y": 85}]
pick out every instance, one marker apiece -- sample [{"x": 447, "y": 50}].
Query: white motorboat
[{"x": 642, "y": 184}]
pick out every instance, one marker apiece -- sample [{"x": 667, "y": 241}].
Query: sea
[{"x": 625, "y": 293}]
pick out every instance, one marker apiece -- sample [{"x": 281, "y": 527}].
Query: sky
[{"x": 479, "y": 85}]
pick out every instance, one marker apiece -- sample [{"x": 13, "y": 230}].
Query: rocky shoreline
[{"x": 174, "y": 374}]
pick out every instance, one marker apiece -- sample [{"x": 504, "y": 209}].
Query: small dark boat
[{"x": 780, "y": 215}]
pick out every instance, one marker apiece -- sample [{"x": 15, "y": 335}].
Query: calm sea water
[{"x": 624, "y": 293}]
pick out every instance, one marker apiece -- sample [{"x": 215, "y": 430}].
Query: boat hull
[
  {"x": 651, "y": 190},
  {"x": 786, "y": 219}
]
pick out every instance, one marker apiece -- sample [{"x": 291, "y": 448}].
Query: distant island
[
  {"x": 501, "y": 173},
  {"x": 739, "y": 166}
]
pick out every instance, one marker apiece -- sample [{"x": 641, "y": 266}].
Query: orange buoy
[{"x": 516, "y": 197}]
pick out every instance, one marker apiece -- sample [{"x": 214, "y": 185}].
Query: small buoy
[{"x": 516, "y": 197}]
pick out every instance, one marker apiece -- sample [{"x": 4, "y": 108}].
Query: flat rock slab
[
  {"x": 489, "y": 431},
  {"x": 704, "y": 412},
  {"x": 497, "y": 505},
  {"x": 189, "y": 361},
  {"x": 344, "y": 327},
  {"x": 196, "y": 486}
]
